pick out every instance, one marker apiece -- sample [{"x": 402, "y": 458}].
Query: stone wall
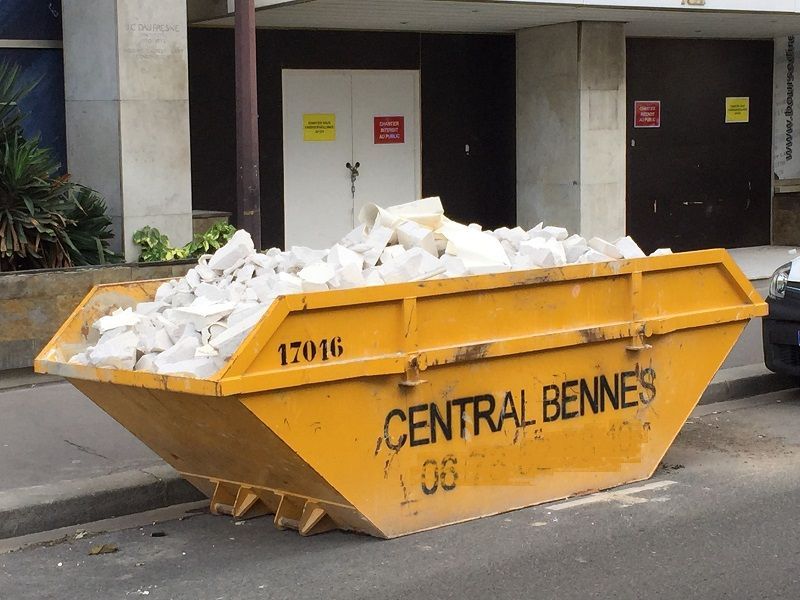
[{"x": 34, "y": 304}]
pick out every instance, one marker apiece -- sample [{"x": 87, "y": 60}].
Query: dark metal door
[{"x": 697, "y": 181}]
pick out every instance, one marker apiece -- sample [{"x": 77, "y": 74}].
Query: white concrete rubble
[{"x": 195, "y": 324}]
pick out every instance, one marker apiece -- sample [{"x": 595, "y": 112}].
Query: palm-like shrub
[{"x": 46, "y": 221}]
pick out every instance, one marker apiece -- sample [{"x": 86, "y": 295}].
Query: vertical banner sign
[
  {"x": 787, "y": 165},
  {"x": 390, "y": 130},
  {"x": 647, "y": 114},
  {"x": 319, "y": 127},
  {"x": 737, "y": 109}
]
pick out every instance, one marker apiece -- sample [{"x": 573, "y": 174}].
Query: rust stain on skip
[
  {"x": 594, "y": 334},
  {"x": 473, "y": 352}
]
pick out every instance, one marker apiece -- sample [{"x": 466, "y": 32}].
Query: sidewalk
[{"x": 63, "y": 461}]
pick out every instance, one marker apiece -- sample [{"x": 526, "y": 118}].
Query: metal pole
[{"x": 248, "y": 186}]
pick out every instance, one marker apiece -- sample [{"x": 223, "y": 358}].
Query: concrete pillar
[
  {"x": 127, "y": 111},
  {"x": 571, "y": 127}
]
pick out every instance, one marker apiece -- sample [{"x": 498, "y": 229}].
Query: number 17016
[{"x": 308, "y": 351}]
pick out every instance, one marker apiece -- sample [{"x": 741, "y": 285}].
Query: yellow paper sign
[
  {"x": 319, "y": 127},
  {"x": 737, "y": 110}
]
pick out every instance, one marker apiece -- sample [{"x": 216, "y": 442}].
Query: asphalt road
[{"x": 718, "y": 520}]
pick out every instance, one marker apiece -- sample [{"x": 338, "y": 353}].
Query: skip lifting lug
[{"x": 638, "y": 342}]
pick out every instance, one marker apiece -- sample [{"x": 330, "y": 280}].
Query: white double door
[{"x": 332, "y": 118}]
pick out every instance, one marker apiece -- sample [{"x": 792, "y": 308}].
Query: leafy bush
[
  {"x": 156, "y": 247},
  {"x": 46, "y": 221}
]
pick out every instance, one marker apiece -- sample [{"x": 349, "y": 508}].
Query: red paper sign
[
  {"x": 390, "y": 130},
  {"x": 647, "y": 114}
]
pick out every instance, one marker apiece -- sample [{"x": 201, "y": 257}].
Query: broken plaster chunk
[
  {"x": 119, "y": 352},
  {"x": 476, "y": 249},
  {"x": 544, "y": 252},
  {"x": 574, "y": 247},
  {"x": 593, "y": 256},
  {"x": 317, "y": 274},
  {"x": 148, "y": 308},
  {"x": 412, "y": 235},
  {"x": 183, "y": 350},
  {"x": 146, "y": 363},
  {"x": 119, "y": 318},
  {"x": 165, "y": 290},
  {"x": 286, "y": 284},
  {"x": 239, "y": 247},
  {"x": 245, "y": 273},
  {"x": 391, "y": 253},
  {"x": 201, "y": 314},
  {"x": 204, "y": 366},
  {"x": 604, "y": 247},
  {"x": 339, "y": 256},
  {"x": 662, "y": 252},
  {"x": 628, "y": 248},
  {"x": 80, "y": 358},
  {"x": 377, "y": 240},
  {"x": 210, "y": 292},
  {"x": 227, "y": 341},
  {"x": 193, "y": 278}
]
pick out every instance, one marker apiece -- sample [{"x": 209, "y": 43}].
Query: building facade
[{"x": 669, "y": 120}]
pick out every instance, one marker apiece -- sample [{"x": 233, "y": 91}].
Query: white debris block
[
  {"x": 304, "y": 256},
  {"x": 355, "y": 237},
  {"x": 427, "y": 212},
  {"x": 339, "y": 256},
  {"x": 238, "y": 248},
  {"x": 556, "y": 233},
  {"x": 183, "y": 350},
  {"x": 544, "y": 252},
  {"x": 227, "y": 341},
  {"x": 350, "y": 276},
  {"x": 118, "y": 352},
  {"x": 574, "y": 247},
  {"x": 662, "y": 252},
  {"x": 201, "y": 313},
  {"x": 122, "y": 317},
  {"x": 454, "y": 266},
  {"x": 477, "y": 249},
  {"x": 148, "y": 308},
  {"x": 287, "y": 283},
  {"x": 196, "y": 323},
  {"x": 391, "y": 253},
  {"x": 211, "y": 292},
  {"x": 146, "y": 363},
  {"x": 195, "y": 367},
  {"x": 79, "y": 359},
  {"x": 604, "y": 247},
  {"x": 206, "y": 273},
  {"x": 628, "y": 248},
  {"x": 517, "y": 235},
  {"x": 379, "y": 237},
  {"x": 157, "y": 340},
  {"x": 193, "y": 278},
  {"x": 318, "y": 273},
  {"x": 165, "y": 290},
  {"x": 593, "y": 256},
  {"x": 245, "y": 272}
]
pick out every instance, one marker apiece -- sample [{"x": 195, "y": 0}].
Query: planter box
[{"x": 34, "y": 304}]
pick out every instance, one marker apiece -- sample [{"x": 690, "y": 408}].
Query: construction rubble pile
[{"x": 195, "y": 324}]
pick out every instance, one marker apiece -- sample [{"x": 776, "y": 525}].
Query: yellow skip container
[{"x": 399, "y": 408}]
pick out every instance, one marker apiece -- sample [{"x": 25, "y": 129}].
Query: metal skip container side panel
[
  {"x": 482, "y": 437},
  {"x": 395, "y": 409}
]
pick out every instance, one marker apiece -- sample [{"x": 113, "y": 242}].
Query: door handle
[
  {"x": 353, "y": 176},
  {"x": 694, "y": 203}
]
